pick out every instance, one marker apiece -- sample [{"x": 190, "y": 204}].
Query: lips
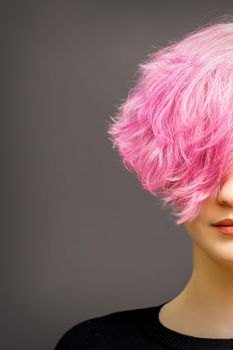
[
  {"x": 227, "y": 230},
  {"x": 225, "y": 222},
  {"x": 225, "y": 226}
]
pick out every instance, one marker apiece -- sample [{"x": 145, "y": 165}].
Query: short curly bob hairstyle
[{"x": 175, "y": 128}]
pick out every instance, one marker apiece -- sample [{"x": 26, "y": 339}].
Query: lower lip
[{"x": 227, "y": 230}]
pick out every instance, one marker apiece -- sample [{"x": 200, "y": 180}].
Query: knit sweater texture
[{"x": 134, "y": 329}]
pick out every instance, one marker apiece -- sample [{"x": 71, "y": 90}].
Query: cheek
[
  {"x": 197, "y": 232},
  {"x": 192, "y": 229},
  {"x": 207, "y": 240}
]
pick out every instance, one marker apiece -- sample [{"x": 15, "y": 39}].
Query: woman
[{"x": 175, "y": 132}]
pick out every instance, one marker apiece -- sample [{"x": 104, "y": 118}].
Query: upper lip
[{"x": 225, "y": 222}]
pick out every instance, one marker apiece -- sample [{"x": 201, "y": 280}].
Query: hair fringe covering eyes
[{"x": 174, "y": 130}]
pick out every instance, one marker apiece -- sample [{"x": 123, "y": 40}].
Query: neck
[
  {"x": 211, "y": 283},
  {"x": 205, "y": 305}
]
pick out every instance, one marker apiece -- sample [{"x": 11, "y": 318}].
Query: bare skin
[{"x": 204, "y": 308}]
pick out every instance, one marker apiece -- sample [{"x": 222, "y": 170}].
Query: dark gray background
[{"x": 79, "y": 236}]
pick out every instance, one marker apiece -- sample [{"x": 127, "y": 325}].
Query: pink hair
[{"x": 175, "y": 128}]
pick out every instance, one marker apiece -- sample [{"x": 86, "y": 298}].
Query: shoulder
[{"x": 103, "y": 332}]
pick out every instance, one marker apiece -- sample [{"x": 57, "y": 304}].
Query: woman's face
[{"x": 213, "y": 242}]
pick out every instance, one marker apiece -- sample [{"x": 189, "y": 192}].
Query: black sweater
[{"x": 137, "y": 329}]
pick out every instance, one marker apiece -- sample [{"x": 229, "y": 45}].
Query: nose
[{"x": 225, "y": 195}]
